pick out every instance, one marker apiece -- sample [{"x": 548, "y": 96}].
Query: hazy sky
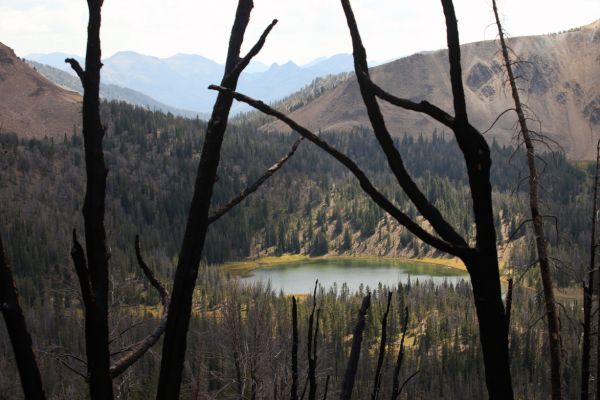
[{"x": 307, "y": 29}]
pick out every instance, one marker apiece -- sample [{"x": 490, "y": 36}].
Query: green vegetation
[{"x": 311, "y": 207}]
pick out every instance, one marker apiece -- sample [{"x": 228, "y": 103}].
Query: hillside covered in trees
[{"x": 312, "y": 206}]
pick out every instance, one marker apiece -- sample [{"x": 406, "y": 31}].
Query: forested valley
[{"x": 240, "y": 337}]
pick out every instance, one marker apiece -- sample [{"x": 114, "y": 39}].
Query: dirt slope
[
  {"x": 31, "y": 105},
  {"x": 561, "y": 85}
]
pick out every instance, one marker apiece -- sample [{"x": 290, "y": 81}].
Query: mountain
[
  {"x": 181, "y": 81},
  {"x": 560, "y": 84},
  {"x": 110, "y": 91},
  {"x": 32, "y": 105}
]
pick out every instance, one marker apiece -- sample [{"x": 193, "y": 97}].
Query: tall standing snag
[
  {"x": 588, "y": 290},
  {"x": 179, "y": 312},
  {"x": 538, "y": 224},
  {"x": 92, "y": 266}
]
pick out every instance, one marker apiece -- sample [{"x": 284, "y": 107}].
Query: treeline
[
  {"x": 312, "y": 206},
  {"x": 242, "y": 334}
]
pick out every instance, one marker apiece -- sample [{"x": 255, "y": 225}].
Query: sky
[{"x": 307, "y": 29}]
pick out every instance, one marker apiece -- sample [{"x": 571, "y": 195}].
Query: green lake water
[{"x": 299, "y": 277}]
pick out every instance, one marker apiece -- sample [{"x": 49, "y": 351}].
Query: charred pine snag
[
  {"x": 352, "y": 366},
  {"x": 538, "y": 224},
  {"x": 20, "y": 338}
]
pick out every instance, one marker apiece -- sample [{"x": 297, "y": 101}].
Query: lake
[{"x": 299, "y": 277}]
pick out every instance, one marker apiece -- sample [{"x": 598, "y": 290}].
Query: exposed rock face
[
  {"x": 558, "y": 74},
  {"x": 31, "y": 105}
]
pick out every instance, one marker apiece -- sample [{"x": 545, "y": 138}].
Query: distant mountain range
[
  {"x": 560, "y": 81},
  {"x": 181, "y": 81},
  {"x": 111, "y": 92},
  {"x": 559, "y": 77}
]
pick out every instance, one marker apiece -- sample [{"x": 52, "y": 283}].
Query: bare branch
[
  {"x": 365, "y": 183},
  {"x": 160, "y": 288},
  {"x": 254, "y": 187},
  {"x": 407, "y": 380},
  {"x": 396, "y": 164},
  {"x": 77, "y": 68},
  {"x": 72, "y": 369},
  {"x": 243, "y": 63},
  {"x": 134, "y": 352}
]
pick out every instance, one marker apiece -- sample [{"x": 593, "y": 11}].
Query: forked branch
[
  {"x": 365, "y": 183},
  {"x": 254, "y": 187}
]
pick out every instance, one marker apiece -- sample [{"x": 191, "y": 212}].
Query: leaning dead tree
[
  {"x": 20, "y": 338},
  {"x": 481, "y": 259},
  {"x": 538, "y": 223}
]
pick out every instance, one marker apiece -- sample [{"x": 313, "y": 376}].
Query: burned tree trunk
[
  {"x": 352, "y": 366},
  {"x": 538, "y": 225},
  {"x": 18, "y": 333},
  {"x": 382, "y": 346},
  {"x": 190, "y": 254},
  {"x": 92, "y": 266},
  {"x": 294, "y": 386},
  {"x": 588, "y": 291},
  {"x": 481, "y": 260}
]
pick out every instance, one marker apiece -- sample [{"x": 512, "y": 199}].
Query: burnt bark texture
[
  {"x": 588, "y": 291},
  {"x": 352, "y": 366},
  {"x": 538, "y": 224},
  {"x": 399, "y": 359},
  {"x": 92, "y": 266},
  {"x": 179, "y": 312},
  {"x": 311, "y": 347},
  {"x": 294, "y": 386},
  {"x": 481, "y": 259},
  {"x": 382, "y": 346},
  {"x": 20, "y": 338}
]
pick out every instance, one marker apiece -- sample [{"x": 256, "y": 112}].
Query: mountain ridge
[
  {"x": 562, "y": 76},
  {"x": 34, "y": 106}
]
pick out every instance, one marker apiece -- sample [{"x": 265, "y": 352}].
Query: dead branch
[
  {"x": 365, "y": 183},
  {"x": 77, "y": 68},
  {"x": 215, "y": 215}
]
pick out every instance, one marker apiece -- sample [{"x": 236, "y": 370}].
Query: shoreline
[{"x": 245, "y": 267}]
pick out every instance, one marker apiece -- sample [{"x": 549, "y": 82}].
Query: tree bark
[
  {"x": 588, "y": 291},
  {"x": 382, "y": 346},
  {"x": 20, "y": 338},
  {"x": 92, "y": 266},
  {"x": 482, "y": 259},
  {"x": 352, "y": 366},
  {"x": 190, "y": 254},
  {"x": 538, "y": 226},
  {"x": 294, "y": 387}
]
